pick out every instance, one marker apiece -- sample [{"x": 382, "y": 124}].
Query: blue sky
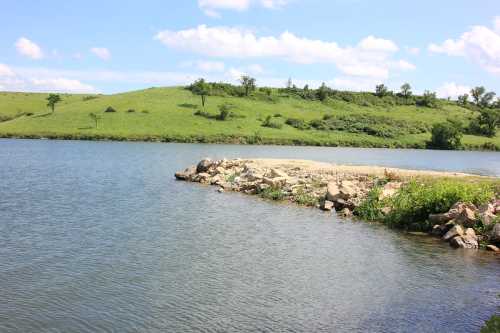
[{"x": 114, "y": 46}]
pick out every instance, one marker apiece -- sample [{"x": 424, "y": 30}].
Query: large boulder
[
  {"x": 344, "y": 191},
  {"x": 332, "y": 192},
  {"x": 467, "y": 241},
  {"x": 187, "y": 174},
  {"x": 487, "y": 213},
  {"x": 455, "y": 231},
  {"x": 204, "y": 165},
  {"x": 495, "y": 234},
  {"x": 327, "y": 205},
  {"x": 278, "y": 173},
  {"x": 467, "y": 217}
]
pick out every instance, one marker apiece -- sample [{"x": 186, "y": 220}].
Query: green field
[{"x": 168, "y": 114}]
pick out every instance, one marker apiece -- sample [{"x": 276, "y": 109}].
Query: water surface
[{"x": 97, "y": 236}]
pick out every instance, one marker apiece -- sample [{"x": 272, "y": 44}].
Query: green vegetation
[
  {"x": 492, "y": 325},
  {"x": 445, "y": 136},
  {"x": 246, "y": 114},
  {"x": 52, "y": 100},
  {"x": 273, "y": 193},
  {"x": 411, "y": 206},
  {"x": 305, "y": 199}
]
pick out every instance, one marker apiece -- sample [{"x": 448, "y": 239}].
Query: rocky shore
[{"x": 343, "y": 189}]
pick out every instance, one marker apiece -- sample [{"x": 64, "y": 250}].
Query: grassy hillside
[{"x": 168, "y": 114}]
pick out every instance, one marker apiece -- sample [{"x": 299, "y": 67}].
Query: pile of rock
[
  {"x": 342, "y": 192},
  {"x": 458, "y": 225}
]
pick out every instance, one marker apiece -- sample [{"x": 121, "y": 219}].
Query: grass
[
  {"x": 411, "y": 206},
  {"x": 167, "y": 114}
]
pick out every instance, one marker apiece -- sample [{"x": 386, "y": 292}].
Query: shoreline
[
  {"x": 462, "y": 209},
  {"x": 232, "y": 139}
]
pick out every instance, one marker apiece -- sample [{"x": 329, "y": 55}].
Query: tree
[
  {"x": 248, "y": 83},
  {"x": 487, "y": 99},
  {"x": 52, "y": 100},
  {"x": 463, "y": 99},
  {"x": 486, "y": 123},
  {"x": 95, "y": 117},
  {"x": 289, "y": 84},
  {"x": 322, "y": 92},
  {"x": 476, "y": 93},
  {"x": 445, "y": 136},
  {"x": 381, "y": 90},
  {"x": 428, "y": 99},
  {"x": 202, "y": 89},
  {"x": 406, "y": 90}
]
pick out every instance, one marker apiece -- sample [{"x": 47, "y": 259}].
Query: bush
[
  {"x": 411, "y": 206},
  {"x": 273, "y": 193},
  {"x": 272, "y": 123},
  {"x": 110, "y": 109},
  {"x": 492, "y": 325},
  {"x": 371, "y": 208},
  {"x": 445, "y": 136},
  {"x": 298, "y": 123},
  {"x": 305, "y": 199},
  {"x": 130, "y": 111}
]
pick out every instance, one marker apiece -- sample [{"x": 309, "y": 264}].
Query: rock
[
  {"x": 327, "y": 205},
  {"x": 262, "y": 186},
  {"x": 220, "y": 190},
  {"x": 187, "y": 174},
  {"x": 346, "y": 212},
  {"x": 440, "y": 218},
  {"x": 274, "y": 182},
  {"x": 487, "y": 213},
  {"x": 389, "y": 190},
  {"x": 470, "y": 233},
  {"x": 456, "y": 230},
  {"x": 278, "y": 173},
  {"x": 347, "y": 189},
  {"x": 332, "y": 191},
  {"x": 495, "y": 234},
  {"x": 204, "y": 165},
  {"x": 457, "y": 242},
  {"x": 492, "y": 247},
  {"x": 386, "y": 210},
  {"x": 467, "y": 218},
  {"x": 438, "y": 230}
]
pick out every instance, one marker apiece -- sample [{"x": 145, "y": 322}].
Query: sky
[{"x": 446, "y": 46}]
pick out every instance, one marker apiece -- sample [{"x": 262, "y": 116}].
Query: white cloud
[
  {"x": 101, "y": 52},
  {"x": 210, "y": 66},
  {"x": 452, "y": 90},
  {"x": 372, "y": 43},
  {"x": 371, "y": 57},
  {"x": 28, "y": 48},
  {"x": 41, "y": 81},
  {"x": 412, "y": 50},
  {"x": 61, "y": 85},
  {"x": 273, "y": 4},
  {"x": 481, "y": 45},
  {"x": 5, "y": 70},
  {"x": 212, "y": 7},
  {"x": 496, "y": 24}
]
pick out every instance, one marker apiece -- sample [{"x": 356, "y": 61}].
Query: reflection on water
[{"x": 99, "y": 237}]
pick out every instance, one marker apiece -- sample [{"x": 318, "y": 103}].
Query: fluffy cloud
[
  {"x": 17, "y": 80},
  {"x": 481, "y": 45},
  {"x": 452, "y": 90},
  {"x": 5, "y": 71},
  {"x": 210, "y": 66},
  {"x": 101, "y": 52},
  {"x": 496, "y": 24},
  {"x": 371, "y": 57},
  {"x": 28, "y": 48},
  {"x": 212, "y": 7}
]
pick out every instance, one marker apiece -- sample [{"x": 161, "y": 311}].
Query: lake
[{"x": 99, "y": 237}]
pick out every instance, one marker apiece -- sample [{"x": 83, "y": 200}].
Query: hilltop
[{"x": 265, "y": 117}]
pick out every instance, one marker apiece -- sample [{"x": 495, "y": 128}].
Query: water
[{"x": 98, "y": 237}]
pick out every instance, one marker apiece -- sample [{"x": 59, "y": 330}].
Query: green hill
[{"x": 175, "y": 114}]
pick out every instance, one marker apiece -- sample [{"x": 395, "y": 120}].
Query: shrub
[
  {"x": 445, "y": 136},
  {"x": 272, "y": 123},
  {"x": 371, "y": 208},
  {"x": 413, "y": 203},
  {"x": 298, "y": 123},
  {"x": 130, "y": 110},
  {"x": 273, "y": 193},
  {"x": 305, "y": 199},
  {"x": 428, "y": 99},
  {"x": 110, "y": 109},
  {"x": 145, "y": 111}
]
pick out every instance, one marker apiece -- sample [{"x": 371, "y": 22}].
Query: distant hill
[{"x": 265, "y": 117}]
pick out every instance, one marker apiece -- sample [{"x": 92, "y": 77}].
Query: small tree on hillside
[
  {"x": 463, "y": 99},
  {"x": 477, "y": 93},
  {"x": 322, "y": 92},
  {"x": 52, "y": 100},
  {"x": 381, "y": 90},
  {"x": 487, "y": 99},
  {"x": 202, "y": 89},
  {"x": 406, "y": 90},
  {"x": 248, "y": 83}
]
